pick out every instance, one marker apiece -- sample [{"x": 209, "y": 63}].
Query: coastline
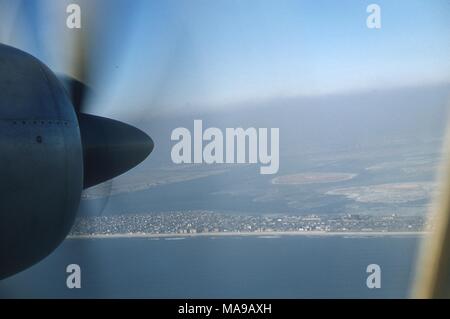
[{"x": 272, "y": 234}]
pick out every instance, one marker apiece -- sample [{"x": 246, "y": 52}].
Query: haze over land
[
  {"x": 365, "y": 153},
  {"x": 312, "y": 178}
]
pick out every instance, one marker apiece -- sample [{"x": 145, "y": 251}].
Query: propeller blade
[
  {"x": 95, "y": 199},
  {"x": 7, "y": 16},
  {"x": 19, "y": 24},
  {"x": 76, "y": 90},
  {"x": 96, "y": 49}
]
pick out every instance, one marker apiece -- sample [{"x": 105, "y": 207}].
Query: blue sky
[
  {"x": 182, "y": 55},
  {"x": 216, "y": 53}
]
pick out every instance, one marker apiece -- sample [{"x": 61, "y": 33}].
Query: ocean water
[{"x": 222, "y": 267}]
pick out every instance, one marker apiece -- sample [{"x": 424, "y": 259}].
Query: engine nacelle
[{"x": 41, "y": 161}]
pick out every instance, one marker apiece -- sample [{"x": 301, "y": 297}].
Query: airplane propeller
[{"x": 83, "y": 57}]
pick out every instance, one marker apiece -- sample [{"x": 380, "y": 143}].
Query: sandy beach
[{"x": 244, "y": 234}]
